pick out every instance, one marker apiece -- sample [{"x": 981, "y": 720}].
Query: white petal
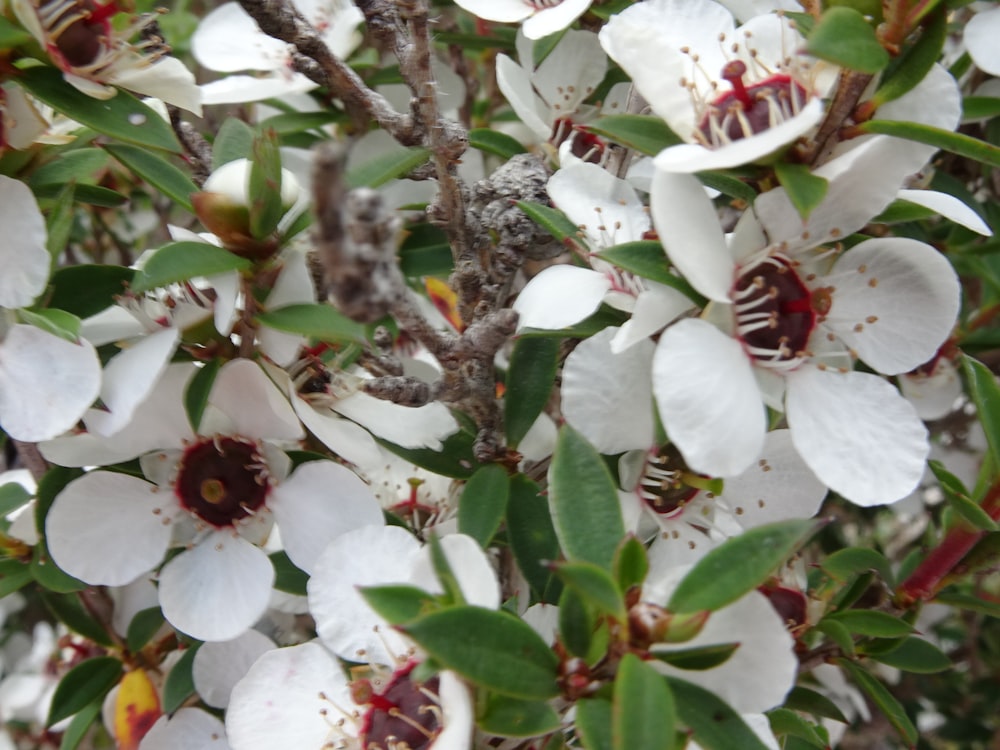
[
  {"x": 708, "y": 398},
  {"x": 655, "y": 307},
  {"x": 256, "y": 407},
  {"x": 228, "y": 40},
  {"x": 895, "y": 303},
  {"x": 689, "y": 228},
  {"x": 239, "y": 89},
  {"x": 189, "y": 728},
  {"x": 23, "y": 256},
  {"x": 571, "y": 71},
  {"x": 948, "y": 206},
  {"x": 457, "y": 707},
  {"x": 981, "y": 34},
  {"x": 226, "y": 286},
  {"x": 343, "y": 437},
  {"x": 168, "y": 80},
  {"x": 497, "y": 10},
  {"x": 218, "y": 666},
  {"x": 608, "y": 396},
  {"x": 560, "y": 296},
  {"x": 408, "y": 427},
  {"x": 859, "y": 436},
  {"x": 46, "y": 383},
  {"x": 371, "y": 556},
  {"x": 317, "y": 503},
  {"x": 217, "y": 589},
  {"x": 476, "y": 577},
  {"x": 607, "y": 209},
  {"x": 933, "y": 396},
  {"x": 129, "y": 377},
  {"x": 514, "y": 83},
  {"x": 778, "y": 487},
  {"x": 553, "y": 19},
  {"x": 108, "y": 529},
  {"x": 288, "y": 699}
]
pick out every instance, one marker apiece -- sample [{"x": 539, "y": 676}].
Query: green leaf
[
  {"x": 196, "y": 393},
  {"x": 846, "y": 563},
  {"x": 79, "y": 725},
  {"x": 390, "y": 165},
  {"x": 483, "y": 503},
  {"x": 739, "y": 565},
  {"x": 86, "y": 290},
  {"x": 631, "y": 563},
  {"x": 92, "y": 194},
  {"x": 317, "y": 321},
  {"x": 49, "y": 575},
  {"x": 838, "y": 633},
  {"x": 916, "y": 655},
  {"x": 491, "y": 649},
  {"x": 642, "y": 711},
  {"x": 583, "y": 501},
  {"x": 59, "y": 223},
  {"x": 958, "y": 498},
  {"x": 399, "y": 604},
  {"x": 12, "y": 36},
  {"x": 157, "y": 171},
  {"x": 143, "y": 627},
  {"x": 552, "y": 220},
  {"x": 785, "y": 722},
  {"x": 14, "y": 575},
  {"x": 179, "y": 685},
  {"x": 444, "y": 573},
  {"x": 530, "y": 377},
  {"x": 593, "y": 723},
  {"x": 298, "y": 122},
  {"x": 234, "y": 141},
  {"x": 985, "y": 394},
  {"x": 494, "y": 142},
  {"x": 979, "y": 107},
  {"x": 646, "y": 134},
  {"x": 13, "y": 495},
  {"x": 122, "y": 117},
  {"x": 805, "y": 190},
  {"x": 809, "y": 701},
  {"x": 454, "y": 460},
  {"x": 714, "y": 725},
  {"x": 845, "y": 38},
  {"x": 288, "y": 577},
  {"x": 604, "y": 317},
  {"x": 727, "y": 183},
  {"x": 68, "y": 610},
  {"x": 900, "y": 211},
  {"x": 576, "y": 623},
  {"x": 647, "y": 259},
  {"x": 595, "y": 586},
  {"x": 55, "y": 479},
  {"x": 181, "y": 261},
  {"x": 910, "y": 68},
  {"x": 57, "y": 322},
  {"x": 504, "y": 716},
  {"x": 698, "y": 658},
  {"x": 265, "y": 185},
  {"x": 85, "y": 683},
  {"x": 970, "y": 602},
  {"x": 872, "y": 623},
  {"x": 79, "y": 165},
  {"x": 531, "y": 536},
  {"x": 946, "y": 140},
  {"x": 882, "y": 698},
  {"x": 425, "y": 252}
]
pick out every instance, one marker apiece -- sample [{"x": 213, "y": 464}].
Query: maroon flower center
[
  {"x": 776, "y": 312},
  {"x": 401, "y": 716},
  {"x": 222, "y": 479},
  {"x": 662, "y": 486},
  {"x": 747, "y": 110},
  {"x": 77, "y": 29},
  {"x": 790, "y": 604}
]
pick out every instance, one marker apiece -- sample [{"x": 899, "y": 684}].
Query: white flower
[
  {"x": 217, "y": 492},
  {"x": 188, "y": 728},
  {"x": 734, "y": 94},
  {"x": 980, "y": 36},
  {"x": 540, "y": 17}
]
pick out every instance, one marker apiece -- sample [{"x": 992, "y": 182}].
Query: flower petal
[
  {"x": 560, "y": 296},
  {"x": 949, "y": 207},
  {"x": 554, "y": 18},
  {"x": 23, "y": 256},
  {"x": 219, "y": 665},
  {"x": 476, "y": 577},
  {"x": 981, "y": 33},
  {"x": 408, "y": 427},
  {"x": 655, "y": 307},
  {"x": 857, "y": 433},
  {"x": 343, "y": 437},
  {"x": 607, "y": 209},
  {"x": 190, "y": 728},
  {"x": 253, "y": 403}
]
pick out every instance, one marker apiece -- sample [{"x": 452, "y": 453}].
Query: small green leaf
[
  {"x": 265, "y": 185},
  {"x": 646, "y": 134},
  {"x": 584, "y": 501},
  {"x": 317, "y": 321},
  {"x": 68, "y": 610},
  {"x": 92, "y": 194},
  {"x": 79, "y": 165},
  {"x": 444, "y": 573},
  {"x": 12, "y": 36},
  {"x": 298, "y": 122},
  {"x": 179, "y": 685},
  {"x": 916, "y": 655},
  {"x": 805, "y": 699},
  {"x": 739, "y": 565},
  {"x": 483, "y": 503},
  {"x": 14, "y": 575},
  {"x": 698, "y": 658},
  {"x": 593, "y": 723},
  {"x": 59, "y": 223},
  {"x": 57, "y": 322},
  {"x": 13, "y": 495},
  {"x": 845, "y": 38},
  {"x": 980, "y": 107},
  {"x": 946, "y": 140},
  {"x": 642, "y": 711},
  {"x": 288, "y": 577},
  {"x": 86, "y": 290},
  {"x": 838, "y": 633},
  {"x": 958, "y": 498},
  {"x": 595, "y": 586},
  {"x": 785, "y": 722},
  {"x": 714, "y": 725},
  {"x": 489, "y": 648},
  {"x": 454, "y": 460},
  {"x": 631, "y": 563},
  {"x": 399, "y": 604},
  {"x": 181, "y": 261},
  {"x": 391, "y": 165},
  {"x": 985, "y": 395},
  {"x": 727, "y": 183},
  {"x": 910, "y": 68},
  {"x": 805, "y": 190},
  {"x": 646, "y": 258},
  {"x": 504, "y": 716},
  {"x": 85, "y": 683},
  {"x": 552, "y": 220},
  {"x": 846, "y": 563},
  {"x": 882, "y": 698},
  {"x": 157, "y": 171},
  {"x": 143, "y": 627},
  {"x": 425, "y": 252},
  {"x": 49, "y": 575},
  {"x": 494, "y": 142},
  {"x": 900, "y": 211},
  {"x": 122, "y": 117},
  {"x": 872, "y": 623},
  {"x": 234, "y": 141},
  {"x": 531, "y": 535},
  {"x": 530, "y": 377},
  {"x": 79, "y": 726},
  {"x": 970, "y": 602},
  {"x": 576, "y": 623},
  {"x": 196, "y": 393}
]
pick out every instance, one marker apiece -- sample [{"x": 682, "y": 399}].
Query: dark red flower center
[
  {"x": 77, "y": 29},
  {"x": 222, "y": 479},
  {"x": 662, "y": 486},
  {"x": 401, "y": 716}
]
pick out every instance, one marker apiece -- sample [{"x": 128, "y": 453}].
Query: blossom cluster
[{"x": 518, "y": 374}]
